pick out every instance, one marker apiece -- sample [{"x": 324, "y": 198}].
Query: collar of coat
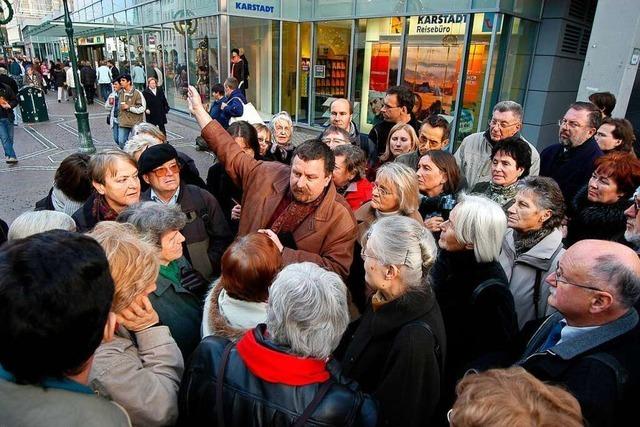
[
  {"x": 324, "y": 210},
  {"x": 589, "y": 340},
  {"x": 274, "y": 365},
  {"x": 541, "y": 255}
]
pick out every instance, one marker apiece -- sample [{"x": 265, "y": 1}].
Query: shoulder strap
[
  {"x": 436, "y": 344},
  {"x": 203, "y": 212},
  {"x": 324, "y": 388},
  {"x": 484, "y": 285},
  {"x": 220, "y": 383},
  {"x": 621, "y": 373}
]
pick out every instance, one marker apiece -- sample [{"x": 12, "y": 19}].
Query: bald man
[
  {"x": 341, "y": 116},
  {"x": 591, "y": 345}
]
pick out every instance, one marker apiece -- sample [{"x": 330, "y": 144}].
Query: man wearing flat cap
[{"x": 207, "y": 234}]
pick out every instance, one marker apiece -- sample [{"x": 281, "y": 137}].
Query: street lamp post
[
  {"x": 4, "y": 21},
  {"x": 82, "y": 116}
]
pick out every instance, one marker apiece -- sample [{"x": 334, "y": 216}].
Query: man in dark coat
[
  {"x": 233, "y": 103},
  {"x": 207, "y": 234},
  {"x": 398, "y": 103},
  {"x": 592, "y": 345},
  {"x": 239, "y": 70},
  {"x": 570, "y": 162},
  {"x": 88, "y": 80},
  {"x": 157, "y": 105}
]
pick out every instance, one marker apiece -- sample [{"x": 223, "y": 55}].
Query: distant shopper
[
  {"x": 71, "y": 82},
  {"x": 60, "y": 81},
  {"x": 112, "y": 104},
  {"x": 8, "y": 101},
  {"x": 233, "y": 104},
  {"x": 156, "y": 73},
  {"x": 104, "y": 78},
  {"x": 88, "y": 79},
  {"x": 138, "y": 76},
  {"x": 157, "y": 104},
  {"x": 239, "y": 71},
  {"x": 218, "y": 95},
  {"x": 115, "y": 73},
  {"x": 132, "y": 107}
]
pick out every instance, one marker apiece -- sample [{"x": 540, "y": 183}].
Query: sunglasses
[{"x": 163, "y": 171}]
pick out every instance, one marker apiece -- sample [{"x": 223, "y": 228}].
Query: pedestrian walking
[
  {"x": 131, "y": 108},
  {"x": 60, "y": 81},
  {"x": 8, "y": 101},
  {"x": 138, "y": 76},
  {"x": 88, "y": 79},
  {"x": 104, "y": 78},
  {"x": 157, "y": 105},
  {"x": 112, "y": 104},
  {"x": 71, "y": 82}
]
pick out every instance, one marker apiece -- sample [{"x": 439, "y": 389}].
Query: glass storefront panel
[
  {"x": 518, "y": 60},
  {"x": 333, "y": 8},
  {"x": 377, "y": 59},
  {"x": 435, "y": 45},
  {"x": 203, "y": 56},
  {"x": 260, "y": 40},
  {"x": 174, "y": 56},
  {"x": 153, "y": 50},
  {"x": 304, "y": 75},
  {"x": 331, "y": 67},
  {"x": 379, "y": 7},
  {"x": 289, "y": 67}
]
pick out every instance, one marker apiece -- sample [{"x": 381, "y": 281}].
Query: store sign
[
  {"x": 380, "y": 57},
  {"x": 260, "y": 8},
  {"x": 88, "y": 41},
  {"x": 441, "y": 24}
]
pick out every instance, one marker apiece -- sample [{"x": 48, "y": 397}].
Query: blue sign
[{"x": 254, "y": 7}]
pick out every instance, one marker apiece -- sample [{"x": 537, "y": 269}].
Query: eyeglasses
[
  {"x": 163, "y": 171},
  {"x": 636, "y": 201},
  {"x": 263, "y": 140},
  {"x": 388, "y": 107},
  {"x": 381, "y": 190},
  {"x": 430, "y": 142},
  {"x": 559, "y": 278},
  {"x": 501, "y": 125},
  {"x": 338, "y": 141},
  {"x": 572, "y": 125}
]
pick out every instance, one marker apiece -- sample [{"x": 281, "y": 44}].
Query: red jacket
[{"x": 358, "y": 193}]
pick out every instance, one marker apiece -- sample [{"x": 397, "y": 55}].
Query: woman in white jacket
[
  {"x": 533, "y": 245},
  {"x": 140, "y": 366}
]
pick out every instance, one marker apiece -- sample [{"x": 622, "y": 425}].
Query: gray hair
[
  {"x": 144, "y": 128},
  {"x": 282, "y": 116},
  {"x": 481, "y": 222},
  {"x": 614, "y": 274},
  {"x": 548, "y": 197},
  {"x": 140, "y": 143},
  {"x": 30, "y": 223},
  {"x": 405, "y": 180},
  {"x": 414, "y": 253},
  {"x": 153, "y": 219},
  {"x": 307, "y": 310},
  {"x": 514, "y": 107}
]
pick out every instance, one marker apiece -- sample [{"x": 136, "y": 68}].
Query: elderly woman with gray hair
[
  {"x": 278, "y": 374},
  {"x": 471, "y": 286},
  {"x": 532, "y": 246},
  {"x": 30, "y": 223},
  {"x": 281, "y": 128},
  {"x": 396, "y": 350},
  {"x": 178, "y": 307}
]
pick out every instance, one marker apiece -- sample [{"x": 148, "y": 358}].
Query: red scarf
[
  {"x": 277, "y": 367},
  {"x": 101, "y": 209},
  {"x": 290, "y": 213}
]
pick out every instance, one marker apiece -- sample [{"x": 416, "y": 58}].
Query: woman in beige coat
[{"x": 140, "y": 366}]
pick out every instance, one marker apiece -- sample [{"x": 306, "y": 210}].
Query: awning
[{"x": 54, "y": 29}]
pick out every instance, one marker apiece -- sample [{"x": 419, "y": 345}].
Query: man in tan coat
[{"x": 297, "y": 206}]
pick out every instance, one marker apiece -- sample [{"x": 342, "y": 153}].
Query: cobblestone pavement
[{"x": 42, "y": 146}]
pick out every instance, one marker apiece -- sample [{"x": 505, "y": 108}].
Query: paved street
[{"x": 42, "y": 146}]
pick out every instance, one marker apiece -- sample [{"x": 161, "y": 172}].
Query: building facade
[{"x": 459, "y": 56}]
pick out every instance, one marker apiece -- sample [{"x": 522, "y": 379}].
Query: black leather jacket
[{"x": 250, "y": 401}]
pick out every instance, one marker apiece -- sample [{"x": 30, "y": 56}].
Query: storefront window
[
  {"x": 260, "y": 41},
  {"x": 377, "y": 58},
  {"x": 289, "y": 67},
  {"x": 203, "y": 56},
  {"x": 518, "y": 60},
  {"x": 174, "y": 54},
  {"x": 331, "y": 67},
  {"x": 435, "y": 45},
  {"x": 153, "y": 52},
  {"x": 304, "y": 75}
]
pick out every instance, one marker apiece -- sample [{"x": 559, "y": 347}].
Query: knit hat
[{"x": 155, "y": 156}]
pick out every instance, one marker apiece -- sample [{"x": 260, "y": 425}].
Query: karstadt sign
[{"x": 258, "y": 8}]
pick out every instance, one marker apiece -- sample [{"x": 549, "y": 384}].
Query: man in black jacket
[
  {"x": 397, "y": 106},
  {"x": 8, "y": 101},
  {"x": 88, "y": 80},
  {"x": 592, "y": 345},
  {"x": 207, "y": 234}
]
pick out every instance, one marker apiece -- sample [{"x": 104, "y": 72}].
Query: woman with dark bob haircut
[
  {"x": 237, "y": 301},
  {"x": 218, "y": 182},
  {"x": 615, "y": 135},
  {"x": 597, "y": 211},
  {"x": 510, "y": 161},
  {"x": 71, "y": 186}
]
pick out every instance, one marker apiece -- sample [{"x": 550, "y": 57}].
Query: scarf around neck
[
  {"x": 502, "y": 195},
  {"x": 525, "y": 241},
  {"x": 101, "y": 209},
  {"x": 291, "y": 213}
]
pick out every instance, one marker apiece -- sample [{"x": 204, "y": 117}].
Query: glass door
[{"x": 304, "y": 74}]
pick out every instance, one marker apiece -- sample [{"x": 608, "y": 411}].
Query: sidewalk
[{"x": 42, "y": 146}]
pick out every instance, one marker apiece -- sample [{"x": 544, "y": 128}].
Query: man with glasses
[
  {"x": 474, "y": 154},
  {"x": 632, "y": 233},
  {"x": 207, "y": 233},
  {"x": 570, "y": 162},
  {"x": 397, "y": 106},
  {"x": 591, "y": 346},
  {"x": 434, "y": 135}
]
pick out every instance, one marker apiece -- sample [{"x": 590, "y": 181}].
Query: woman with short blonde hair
[
  {"x": 512, "y": 397},
  {"x": 139, "y": 365}
]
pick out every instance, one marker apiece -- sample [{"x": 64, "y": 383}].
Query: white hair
[
  {"x": 481, "y": 222},
  {"x": 514, "y": 107},
  {"x": 307, "y": 310},
  {"x": 30, "y": 223},
  {"x": 282, "y": 116},
  {"x": 414, "y": 253},
  {"x": 139, "y": 143}
]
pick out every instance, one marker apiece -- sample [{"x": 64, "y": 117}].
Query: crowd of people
[{"x": 351, "y": 279}]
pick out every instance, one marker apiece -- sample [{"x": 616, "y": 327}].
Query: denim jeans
[
  {"x": 123, "y": 136},
  {"x": 6, "y": 135},
  {"x": 105, "y": 90},
  {"x": 115, "y": 129}
]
